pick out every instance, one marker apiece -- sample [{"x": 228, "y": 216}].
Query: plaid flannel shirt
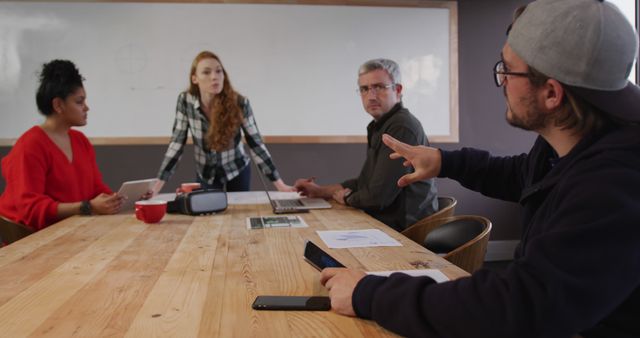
[{"x": 226, "y": 164}]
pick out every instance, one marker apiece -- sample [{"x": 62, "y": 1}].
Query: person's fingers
[
  {"x": 329, "y": 284},
  {"x": 395, "y": 156},
  {"x": 114, "y": 205},
  {"x": 395, "y": 145},
  {"x": 328, "y": 273},
  {"x": 111, "y": 198},
  {"x": 389, "y": 140},
  {"x": 334, "y": 302},
  {"x": 408, "y": 179},
  {"x": 407, "y": 164}
]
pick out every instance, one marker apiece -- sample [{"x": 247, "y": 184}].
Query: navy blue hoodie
[{"x": 576, "y": 270}]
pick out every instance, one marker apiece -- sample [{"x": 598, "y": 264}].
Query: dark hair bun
[
  {"x": 59, "y": 78},
  {"x": 60, "y": 71}
]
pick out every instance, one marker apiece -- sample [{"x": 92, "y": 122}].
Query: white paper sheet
[
  {"x": 257, "y": 197},
  {"x": 247, "y": 197},
  {"x": 340, "y": 239}
]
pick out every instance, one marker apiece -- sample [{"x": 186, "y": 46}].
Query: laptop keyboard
[{"x": 289, "y": 203}]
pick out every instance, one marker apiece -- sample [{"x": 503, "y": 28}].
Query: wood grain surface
[{"x": 184, "y": 277}]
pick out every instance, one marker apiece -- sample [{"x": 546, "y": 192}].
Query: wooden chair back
[
  {"x": 446, "y": 207},
  {"x": 470, "y": 255},
  {"x": 11, "y": 231}
]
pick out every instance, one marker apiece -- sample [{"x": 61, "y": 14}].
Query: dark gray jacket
[{"x": 376, "y": 190}]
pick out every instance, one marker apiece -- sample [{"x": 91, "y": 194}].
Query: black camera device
[{"x": 199, "y": 202}]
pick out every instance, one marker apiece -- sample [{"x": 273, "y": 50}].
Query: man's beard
[{"x": 531, "y": 117}]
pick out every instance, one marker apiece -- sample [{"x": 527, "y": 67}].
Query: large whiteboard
[{"x": 296, "y": 63}]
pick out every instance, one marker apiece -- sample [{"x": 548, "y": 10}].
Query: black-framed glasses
[
  {"x": 500, "y": 73},
  {"x": 374, "y": 88}
]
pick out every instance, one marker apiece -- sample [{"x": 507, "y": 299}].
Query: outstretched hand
[{"x": 426, "y": 161}]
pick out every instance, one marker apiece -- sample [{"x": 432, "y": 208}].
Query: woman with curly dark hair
[
  {"x": 51, "y": 171},
  {"x": 216, "y": 115}
]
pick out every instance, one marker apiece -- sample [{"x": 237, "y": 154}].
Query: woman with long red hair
[{"x": 216, "y": 116}]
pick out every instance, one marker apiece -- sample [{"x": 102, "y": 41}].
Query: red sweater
[{"x": 39, "y": 177}]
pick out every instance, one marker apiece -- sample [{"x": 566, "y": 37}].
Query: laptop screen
[{"x": 264, "y": 183}]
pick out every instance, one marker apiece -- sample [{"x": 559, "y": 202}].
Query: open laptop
[{"x": 293, "y": 205}]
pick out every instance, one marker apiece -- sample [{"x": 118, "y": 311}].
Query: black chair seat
[{"x": 452, "y": 235}]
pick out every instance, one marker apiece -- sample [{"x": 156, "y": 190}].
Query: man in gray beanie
[{"x": 576, "y": 271}]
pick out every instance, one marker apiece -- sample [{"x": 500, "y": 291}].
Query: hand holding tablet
[{"x": 133, "y": 191}]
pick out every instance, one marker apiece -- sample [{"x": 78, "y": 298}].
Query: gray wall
[{"x": 482, "y": 26}]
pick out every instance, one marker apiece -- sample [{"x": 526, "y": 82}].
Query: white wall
[{"x": 628, "y": 8}]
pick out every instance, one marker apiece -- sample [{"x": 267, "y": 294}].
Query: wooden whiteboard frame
[{"x": 453, "y": 136}]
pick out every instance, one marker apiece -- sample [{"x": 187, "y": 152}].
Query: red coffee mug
[
  {"x": 189, "y": 187},
  {"x": 150, "y": 211}
]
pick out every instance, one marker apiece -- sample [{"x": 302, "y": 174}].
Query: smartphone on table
[
  {"x": 318, "y": 258},
  {"x": 294, "y": 303}
]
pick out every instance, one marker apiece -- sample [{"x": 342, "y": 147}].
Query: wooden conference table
[{"x": 185, "y": 276}]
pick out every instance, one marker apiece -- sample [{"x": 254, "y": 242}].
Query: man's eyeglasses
[
  {"x": 500, "y": 73},
  {"x": 374, "y": 88}
]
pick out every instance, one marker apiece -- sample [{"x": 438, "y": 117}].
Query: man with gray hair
[
  {"x": 576, "y": 271},
  {"x": 374, "y": 190}
]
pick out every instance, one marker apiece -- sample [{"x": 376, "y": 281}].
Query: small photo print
[
  {"x": 275, "y": 222},
  {"x": 297, "y": 222},
  {"x": 255, "y": 223}
]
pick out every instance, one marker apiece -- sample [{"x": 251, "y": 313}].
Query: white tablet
[{"x": 133, "y": 190}]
